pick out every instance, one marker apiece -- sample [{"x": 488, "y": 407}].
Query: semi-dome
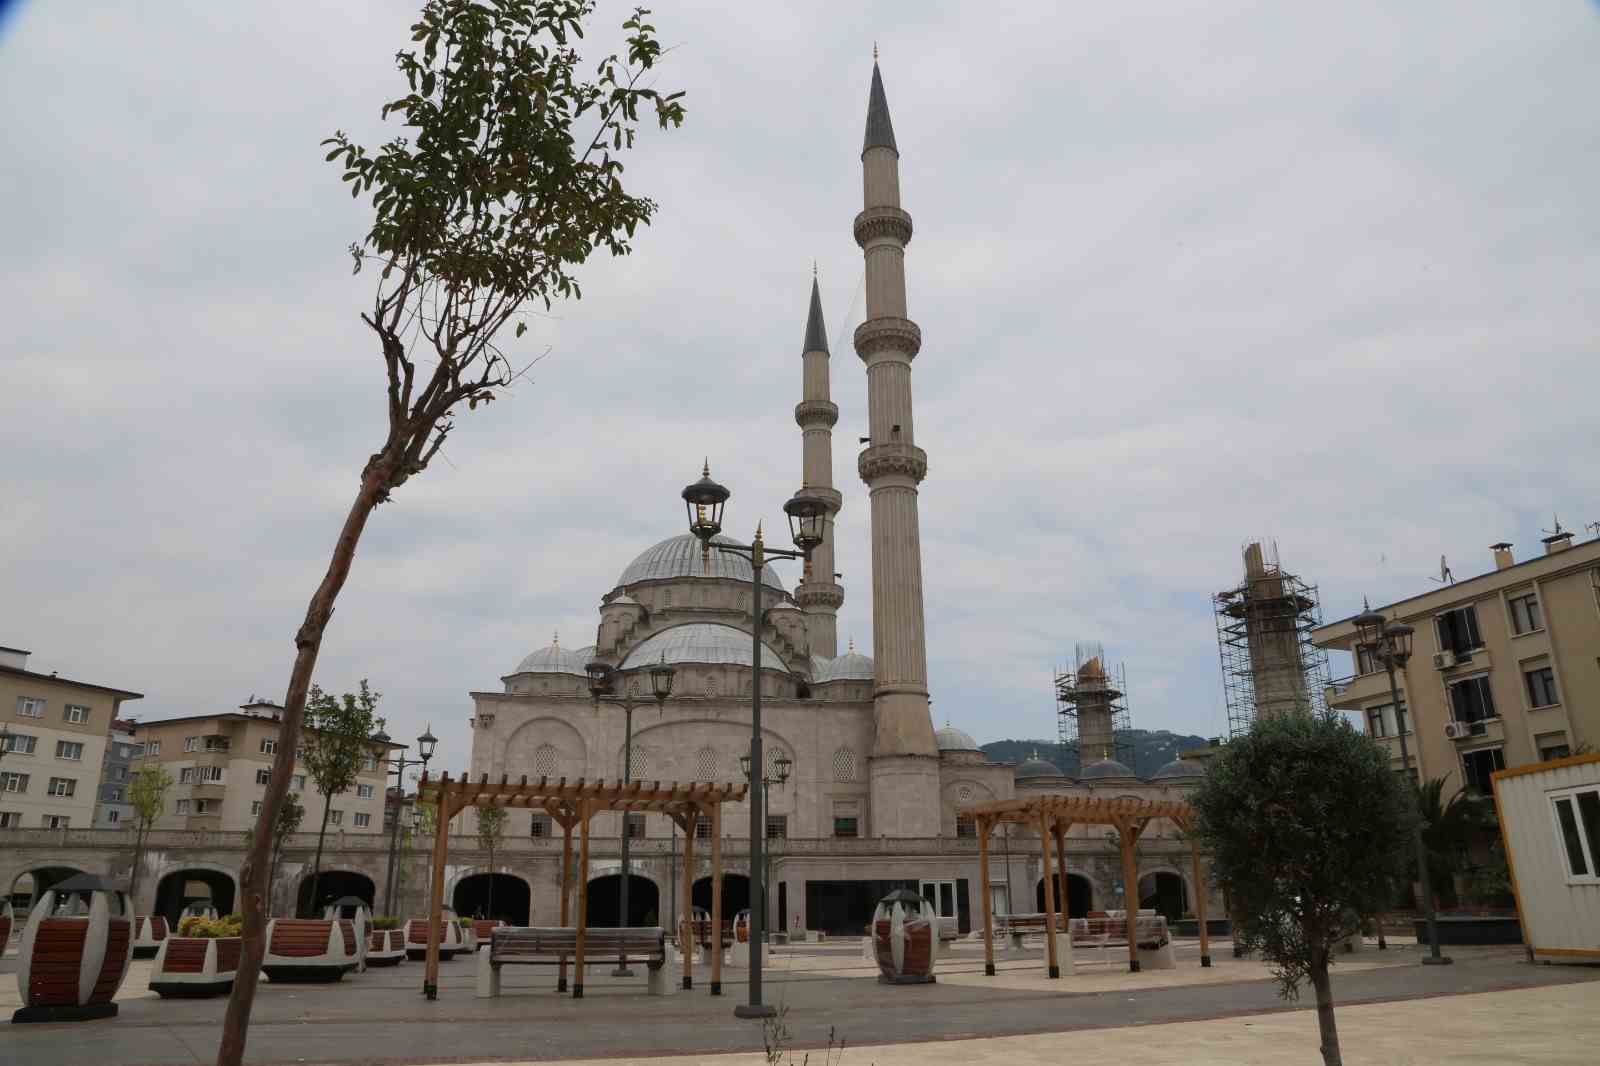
[
  {"x": 851, "y": 666},
  {"x": 1180, "y": 768},
  {"x": 700, "y": 642},
  {"x": 681, "y": 556},
  {"x": 951, "y": 739},
  {"x": 556, "y": 660},
  {"x": 1037, "y": 767},
  {"x": 1105, "y": 768}
]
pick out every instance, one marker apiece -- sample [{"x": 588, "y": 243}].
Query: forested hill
[{"x": 1152, "y": 749}]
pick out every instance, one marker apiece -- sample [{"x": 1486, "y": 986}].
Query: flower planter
[
  {"x": 483, "y": 929},
  {"x": 904, "y": 938},
  {"x": 386, "y": 947},
  {"x": 71, "y": 965},
  {"x": 354, "y": 913},
  {"x": 450, "y": 942},
  {"x": 469, "y": 937},
  {"x": 148, "y": 933},
  {"x": 309, "y": 949},
  {"x": 196, "y": 966}
]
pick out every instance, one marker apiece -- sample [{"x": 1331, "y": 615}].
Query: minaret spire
[
  {"x": 904, "y": 770},
  {"x": 818, "y": 594}
]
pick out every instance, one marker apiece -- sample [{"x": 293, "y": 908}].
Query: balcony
[{"x": 1354, "y": 693}]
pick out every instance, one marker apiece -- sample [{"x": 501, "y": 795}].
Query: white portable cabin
[{"x": 1550, "y": 824}]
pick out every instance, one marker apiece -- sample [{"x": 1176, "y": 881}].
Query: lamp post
[
  {"x": 1391, "y": 644},
  {"x": 399, "y": 764},
  {"x": 780, "y": 767},
  {"x": 704, "y": 501},
  {"x": 602, "y": 678}
]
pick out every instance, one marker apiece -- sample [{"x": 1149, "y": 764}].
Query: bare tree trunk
[
  {"x": 1325, "y": 1023},
  {"x": 308, "y": 643},
  {"x": 316, "y": 863},
  {"x": 138, "y": 860}
]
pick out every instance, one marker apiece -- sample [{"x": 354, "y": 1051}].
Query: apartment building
[
  {"x": 221, "y": 764},
  {"x": 1504, "y": 670},
  {"x": 112, "y": 810},
  {"x": 53, "y": 732}
]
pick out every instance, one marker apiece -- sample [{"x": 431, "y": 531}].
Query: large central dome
[{"x": 680, "y": 556}]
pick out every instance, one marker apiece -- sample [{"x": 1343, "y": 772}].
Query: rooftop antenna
[
  {"x": 1592, "y": 527},
  {"x": 1556, "y": 532},
  {"x": 1445, "y": 576}
]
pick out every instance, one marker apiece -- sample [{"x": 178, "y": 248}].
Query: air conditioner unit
[
  {"x": 1444, "y": 660},
  {"x": 1457, "y": 730}
]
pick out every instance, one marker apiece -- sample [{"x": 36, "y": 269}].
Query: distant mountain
[{"x": 1152, "y": 749}]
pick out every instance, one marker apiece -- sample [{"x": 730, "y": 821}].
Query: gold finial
[
  {"x": 705, "y": 471},
  {"x": 852, "y": 649},
  {"x": 758, "y": 531},
  {"x": 555, "y": 640},
  {"x": 813, "y": 269},
  {"x": 874, "y": 51}
]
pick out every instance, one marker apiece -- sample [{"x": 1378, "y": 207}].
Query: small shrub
[
  {"x": 387, "y": 921},
  {"x": 465, "y": 923},
  {"x": 211, "y": 928}
]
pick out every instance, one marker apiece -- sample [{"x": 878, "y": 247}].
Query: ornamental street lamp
[
  {"x": 780, "y": 777},
  {"x": 1391, "y": 645},
  {"x": 704, "y": 501},
  {"x": 398, "y": 764},
  {"x": 602, "y": 679}
]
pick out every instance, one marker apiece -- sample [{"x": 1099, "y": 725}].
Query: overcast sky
[{"x": 1321, "y": 273}]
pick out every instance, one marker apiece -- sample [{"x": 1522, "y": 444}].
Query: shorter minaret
[{"x": 818, "y": 593}]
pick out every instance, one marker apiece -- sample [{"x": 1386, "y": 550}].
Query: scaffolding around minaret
[
  {"x": 1092, "y": 708},
  {"x": 1269, "y": 664}
]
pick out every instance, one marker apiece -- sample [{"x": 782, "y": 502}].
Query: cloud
[{"x": 1326, "y": 275}]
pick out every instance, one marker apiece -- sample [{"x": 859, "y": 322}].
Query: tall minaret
[
  {"x": 905, "y": 759},
  {"x": 818, "y": 594}
]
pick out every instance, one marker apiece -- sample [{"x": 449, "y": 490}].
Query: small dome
[
  {"x": 1037, "y": 767},
  {"x": 784, "y": 606},
  {"x": 556, "y": 660},
  {"x": 1105, "y": 768},
  {"x": 951, "y": 739},
  {"x": 623, "y": 600},
  {"x": 851, "y": 666},
  {"x": 1181, "y": 768},
  {"x": 701, "y": 642},
  {"x": 681, "y": 556}
]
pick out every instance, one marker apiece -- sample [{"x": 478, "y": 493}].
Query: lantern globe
[{"x": 703, "y": 502}]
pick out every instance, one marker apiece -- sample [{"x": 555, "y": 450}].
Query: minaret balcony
[
  {"x": 882, "y": 459},
  {"x": 816, "y": 413},
  {"x": 817, "y": 594},
  {"x": 878, "y": 222},
  {"x": 888, "y": 335}
]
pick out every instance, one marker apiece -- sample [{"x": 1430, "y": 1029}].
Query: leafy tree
[
  {"x": 284, "y": 826},
  {"x": 491, "y": 831},
  {"x": 338, "y": 741},
  {"x": 1307, "y": 827},
  {"x": 1448, "y": 828},
  {"x": 508, "y": 178},
  {"x": 147, "y": 793}
]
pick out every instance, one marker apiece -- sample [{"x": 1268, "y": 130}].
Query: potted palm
[{"x": 201, "y": 959}]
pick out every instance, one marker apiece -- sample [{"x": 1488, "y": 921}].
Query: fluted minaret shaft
[
  {"x": 818, "y": 593},
  {"x": 905, "y": 768}
]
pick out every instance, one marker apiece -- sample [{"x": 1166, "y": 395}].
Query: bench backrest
[
  {"x": 552, "y": 942},
  {"x": 299, "y": 938}
]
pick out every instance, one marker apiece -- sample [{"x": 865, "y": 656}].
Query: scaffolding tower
[
  {"x": 1264, "y": 624},
  {"x": 1092, "y": 718}
]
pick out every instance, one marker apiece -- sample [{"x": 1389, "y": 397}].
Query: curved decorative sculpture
[{"x": 75, "y": 952}]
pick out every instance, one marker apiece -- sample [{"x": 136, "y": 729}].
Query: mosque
[{"x": 872, "y": 791}]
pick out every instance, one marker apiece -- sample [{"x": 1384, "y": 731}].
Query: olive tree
[
  {"x": 147, "y": 794},
  {"x": 491, "y": 832},
  {"x": 338, "y": 743},
  {"x": 507, "y": 178},
  {"x": 1308, "y": 828}
]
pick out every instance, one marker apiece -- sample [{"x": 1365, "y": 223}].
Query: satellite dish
[{"x": 1445, "y": 576}]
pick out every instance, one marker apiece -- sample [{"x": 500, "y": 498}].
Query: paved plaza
[{"x": 1229, "y": 1013}]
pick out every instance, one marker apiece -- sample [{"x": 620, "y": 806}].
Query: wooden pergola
[
  {"x": 572, "y": 804},
  {"x": 1052, "y": 816}
]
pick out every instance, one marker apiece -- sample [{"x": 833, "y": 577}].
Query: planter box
[
  {"x": 309, "y": 949},
  {"x": 69, "y": 968},
  {"x": 149, "y": 930},
  {"x": 450, "y": 942},
  {"x": 196, "y": 966},
  {"x": 1468, "y": 929},
  {"x": 386, "y": 947}
]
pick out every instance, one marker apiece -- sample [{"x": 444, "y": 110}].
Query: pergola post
[
  {"x": 1061, "y": 867},
  {"x": 686, "y": 937},
  {"x": 583, "y": 896},
  {"x": 1049, "y": 897},
  {"x": 1130, "y": 891},
  {"x": 441, "y": 847},
  {"x": 1200, "y": 904},
  {"x": 716, "y": 899},
  {"x": 566, "y": 894},
  {"x": 984, "y": 827}
]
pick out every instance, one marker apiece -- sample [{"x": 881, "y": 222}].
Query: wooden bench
[
  {"x": 550, "y": 946},
  {"x": 1151, "y": 939},
  {"x": 309, "y": 949},
  {"x": 450, "y": 941}
]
